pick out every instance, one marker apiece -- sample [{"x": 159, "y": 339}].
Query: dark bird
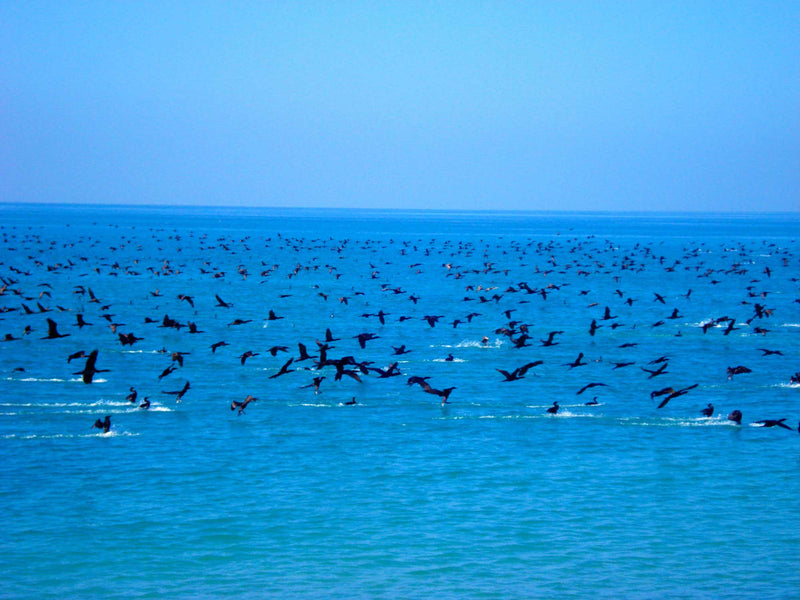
[
  {"x": 767, "y": 352},
  {"x": 737, "y": 370},
  {"x": 304, "y": 355},
  {"x": 145, "y": 403},
  {"x": 400, "y": 350},
  {"x": 272, "y": 316},
  {"x": 553, "y": 409},
  {"x": 128, "y": 339},
  {"x": 736, "y": 417},
  {"x": 519, "y": 372},
  {"x": 243, "y": 357},
  {"x": 239, "y": 322},
  {"x": 90, "y": 370},
  {"x": 243, "y": 404},
  {"x": 81, "y": 323},
  {"x": 221, "y": 303},
  {"x": 774, "y": 423},
  {"x": 351, "y": 402},
  {"x": 549, "y": 341},
  {"x": 132, "y": 396},
  {"x": 166, "y": 372},
  {"x": 656, "y": 372},
  {"x": 577, "y": 362},
  {"x": 283, "y": 370},
  {"x": 52, "y": 331},
  {"x": 218, "y": 345},
  {"x": 275, "y": 349},
  {"x": 74, "y": 355},
  {"x": 363, "y": 338},
  {"x": 708, "y": 410},
  {"x": 589, "y": 385},
  {"x": 105, "y": 424},
  {"x": 672, "y": 394},
  {"x": 179, "y": 394}
]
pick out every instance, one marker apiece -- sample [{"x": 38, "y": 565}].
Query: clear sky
[{"x": 552, "y": 105}]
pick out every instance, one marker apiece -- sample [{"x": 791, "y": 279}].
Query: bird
[
  {"x": 736, "y": 417},
  {"x": 218, "y": 345},
  {"x": 52, "y": 331},
  {"x": 577, "y": 362},
  {"x": 243, "y": 357},
  {"x": 145, "y": 403},
  {"x": 104, "y": 424},
  {"x": 589, "y": 385},
  {"x": 363, "y": 338},
  {"x": 243, "y": 404},
  {"x": 708, "y": 410},
  {"x": 773, "y": 423},
  {"x": 179, "y": 394},
  {"x": 89, "y": 370},
  {"x": 284, "y": 369},
  {"x": 132, "y": 396},
  {"x": 221, "y": 303},
  {"x": 737, "y": 370},
  {"x": 672, "y": 394},
  {"x": 519, "y": 372},
  {"x": 553, "y": 409}
]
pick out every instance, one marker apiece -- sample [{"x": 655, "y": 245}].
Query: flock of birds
[{"x": 512, "y": 290}]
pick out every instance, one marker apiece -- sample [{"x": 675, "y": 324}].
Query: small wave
[
  {"x": 42, "y": 379},
  {"x": 54, "y": 436},
  {"x": 455, "y": 360}
]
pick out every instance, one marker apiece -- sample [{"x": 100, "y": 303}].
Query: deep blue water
[{"x": 399, "y": 495}]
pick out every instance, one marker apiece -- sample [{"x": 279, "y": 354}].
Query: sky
[{"x": 613, "y": 106}]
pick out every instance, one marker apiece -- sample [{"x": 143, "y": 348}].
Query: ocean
[{"x": 415, "y": 490}]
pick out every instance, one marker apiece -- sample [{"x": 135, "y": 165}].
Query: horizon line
[{"x": 747, "y": 212}]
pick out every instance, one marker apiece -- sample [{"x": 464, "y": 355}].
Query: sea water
[{"x": 399, "y": 495}]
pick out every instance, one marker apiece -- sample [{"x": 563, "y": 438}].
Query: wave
[{"x": 53, "y": 436}]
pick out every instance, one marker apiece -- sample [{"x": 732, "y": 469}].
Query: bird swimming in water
[
  {"x": 708, "y": 410},
  {"x": 145, "y": 403},
  {"x": 736, "y": 417},
  {"x": 553, "y": 409}
]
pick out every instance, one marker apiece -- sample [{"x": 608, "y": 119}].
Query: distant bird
[
  {"x": 74, "y": 355},
  {"x": 351, "y": 402},
  {"x": 774, "y": 423},
  {"x": 736, "y": 417},
  {"x": 589, "y": 385},
  {"x": 550, "y": 336},
  {"x": 272, "y": 316},
  {"x": 179, "y": 394},
  {"x": 243, "y": 404},
  {"x": 105, "y": 424},
  {"x": 577, "y": 362},
  {"x": 519, "y": 372},
  {"x": 283, "y": 370},
  {"x": 738, "y": 370},
  {"x": 672, "y": 393},
  {"x": 363, "y": 338},
  {"x": 218, "y": 345},
  {"x": 221, "y": 303},
  {"x": 89, "y": 371},
  {"x": 243, "y": 357},
  {"x": 166, "y": 372},
  {"x": 132, "y": 396},
  {"x": 52, "y": 331},
  {"x": 553, "y": 409},
  {"x": 145, "y": 403},
  {"x": 708, "y": 410}
]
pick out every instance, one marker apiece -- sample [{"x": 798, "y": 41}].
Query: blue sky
[{"x": 450, "y": 105}]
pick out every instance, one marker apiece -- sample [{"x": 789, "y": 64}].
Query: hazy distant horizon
[{"x": 576, "y": 106}]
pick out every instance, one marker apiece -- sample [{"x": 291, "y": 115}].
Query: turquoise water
[{"x": 399, "y": 495}]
